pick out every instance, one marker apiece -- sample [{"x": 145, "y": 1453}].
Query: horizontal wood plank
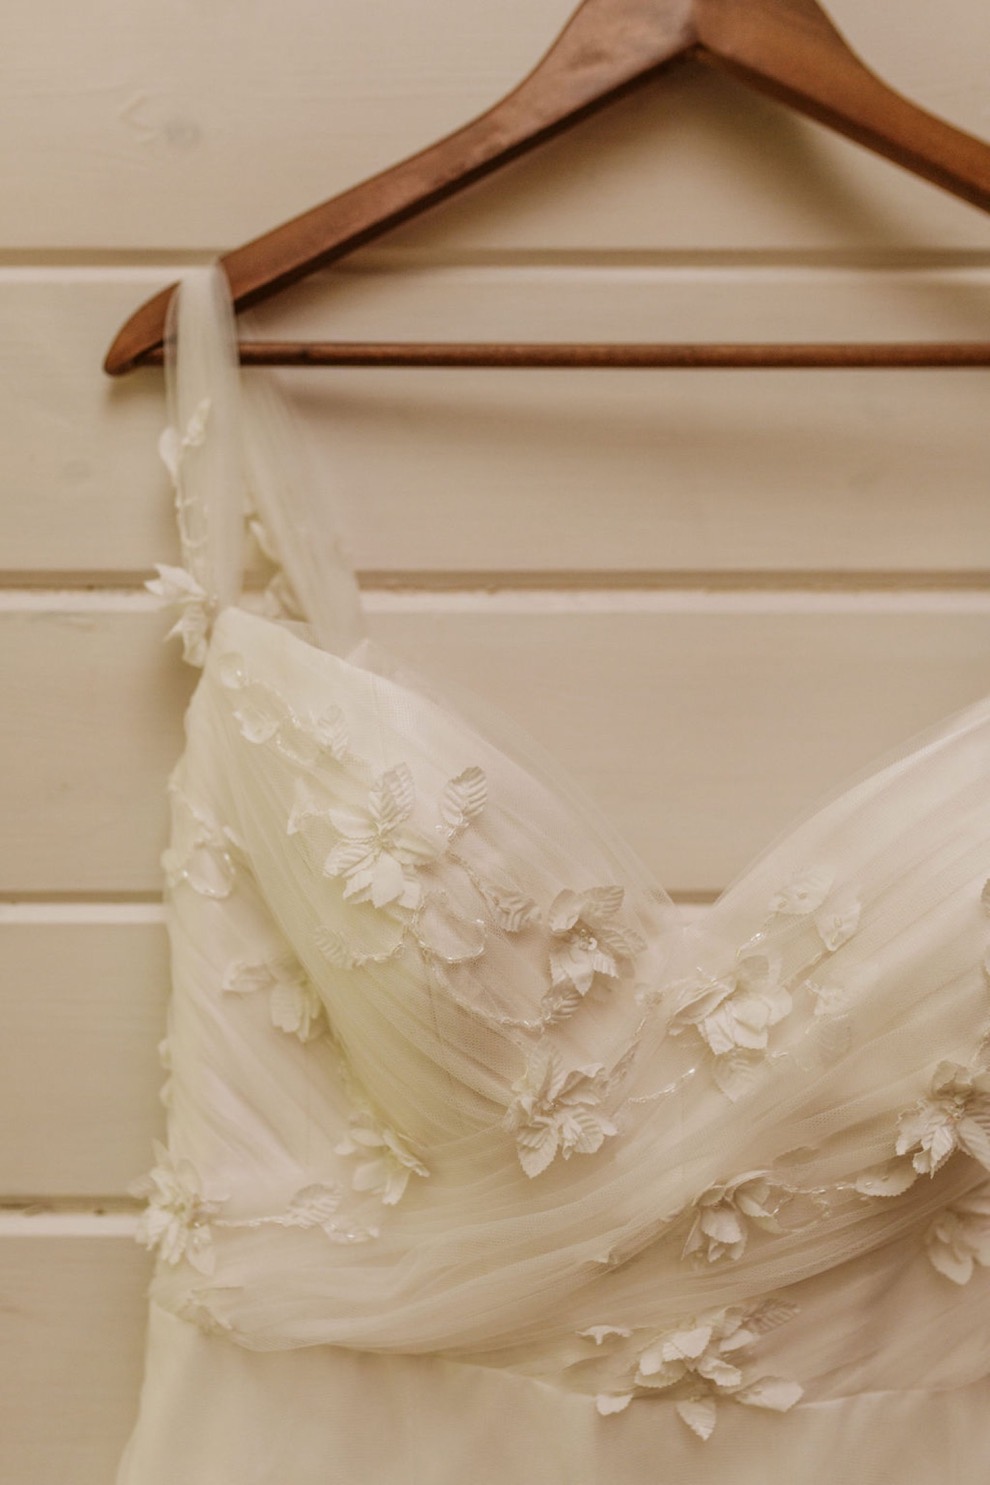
[
  {"x": 632, "y": 693},
  {"x": 71, "y": 1343},
  {"x": 522, "y": 472},
  {"x": 182, "y": 108},
  {"x": 82, "y": 1006}
]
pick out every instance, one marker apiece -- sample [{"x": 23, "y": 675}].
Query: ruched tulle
[{"x": 480, "y": 1162}]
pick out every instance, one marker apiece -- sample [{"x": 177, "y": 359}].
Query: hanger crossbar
[{"x": 867, "y": 355}]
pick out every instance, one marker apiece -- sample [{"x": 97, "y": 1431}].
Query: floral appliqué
[
  {"x": 295, "y": 1006},
  {"x": 177, "y": 1217},
  {"x": 954, "y": 1116},
  {"x": 586, "y": 943},
  {"x": 196, "y": 609},
  {"x": 701, "y": 1362},
  {"x": 733, "y": 1015},
  {"x": 724, "y": 1215},
  {"x": 556, "y": 1111},
  {"x": 388, "y": 1161},
  {"x": 379, "y": 852},
  {"x": 959, "y": 1236}
]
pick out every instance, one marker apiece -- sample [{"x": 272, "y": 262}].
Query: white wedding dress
[{"x": 480, "y": 1166}]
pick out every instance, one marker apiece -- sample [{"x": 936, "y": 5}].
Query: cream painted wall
[{"x": 711, "y": 595}]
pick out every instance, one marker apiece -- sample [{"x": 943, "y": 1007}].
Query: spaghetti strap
[{"x": 236, "y": 458}]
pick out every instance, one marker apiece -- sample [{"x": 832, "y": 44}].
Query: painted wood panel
[
  {"x": 171, "y": 108},
  {"x": 82, "y": 1008},
  {"x": 631, "y": 692},
  {"x": 515, "y": 473},
  {"x": 71, "y": 1341}
]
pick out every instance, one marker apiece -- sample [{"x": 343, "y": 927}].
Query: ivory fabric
[{"x": 480, "y": 1163}]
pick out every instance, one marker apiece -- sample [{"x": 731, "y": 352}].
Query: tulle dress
[{"x": 481, "y": 1164}]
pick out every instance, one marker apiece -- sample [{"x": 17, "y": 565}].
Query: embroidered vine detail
[
  {"x": 178, "y": 1214},
  {"x": 312, "y": 1206},
  {"x": 724, "y": 1214},
  {"x": 263, "y": 716},
  {"x": 586, "y": 944},
  {"x": 392, "y": 1160},
  {"x": 557, "y": 1111},
  {"x": 180, "y": 1221},
  {"x": 295, "y": 1006},
  {"x": 701, "y": 1362},
  {"x": 959, "y": 1236}
]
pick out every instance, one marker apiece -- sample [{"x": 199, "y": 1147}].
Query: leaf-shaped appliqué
[
  {"x": 511, "y": 908},
  {"x": 463, "y": 799},
  {"x": 608, "y": 1403},
  {"x": 699, "y": 1413},
  {"x": 393, "y": 797}
]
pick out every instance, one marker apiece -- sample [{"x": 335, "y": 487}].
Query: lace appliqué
[{"x": 701, "y": 1363}]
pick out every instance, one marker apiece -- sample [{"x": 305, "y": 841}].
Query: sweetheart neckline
[{"x": 906, "y": 753}]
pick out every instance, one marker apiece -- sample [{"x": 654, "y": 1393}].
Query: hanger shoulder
[
  {"x": 607, "y": 48},
  {"x": 786, "y": 48},
  {"x": 791, "y": 50}
]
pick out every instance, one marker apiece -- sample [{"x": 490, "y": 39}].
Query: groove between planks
[
  {"x": 535, "y": 580},
  {"x": 899, "y": 598}
]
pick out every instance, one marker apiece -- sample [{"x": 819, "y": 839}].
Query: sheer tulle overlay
[{"x": 480, "y": 1164}]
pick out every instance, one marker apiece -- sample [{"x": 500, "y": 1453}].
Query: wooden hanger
[{"x": 786, "y": 48}]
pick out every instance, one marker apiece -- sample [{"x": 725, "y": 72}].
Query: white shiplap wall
[{"x": 712, "y": 595}]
